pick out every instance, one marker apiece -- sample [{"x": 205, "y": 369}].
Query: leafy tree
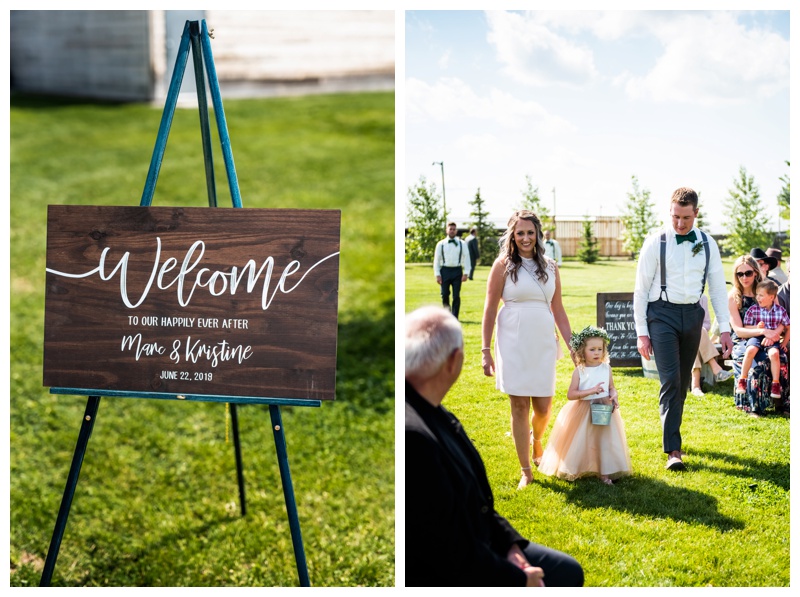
[
  {"x": 783, "y": 196},
  {"x": 487, "y": 242},
  {"x": 426, "y": 221},
  {"x": 532, "y": 201},
  {"x": 638, "y": 218},
  {"x": 747, "y": 219},
  {"x": 783, "y": 201},
  {"x": 587, "y": 248}
]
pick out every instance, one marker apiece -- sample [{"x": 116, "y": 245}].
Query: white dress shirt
[
  {"x": 450, "y": 255},
  {"x": 684, "y": 277}
]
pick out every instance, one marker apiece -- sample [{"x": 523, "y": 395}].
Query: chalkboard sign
[
  {"x": 192, "y": 301},
  {"x": 615, "y": 314}
]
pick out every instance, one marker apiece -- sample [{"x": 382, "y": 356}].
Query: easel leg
[
  {"x": 202, "y": 105},
  {"x": 288, "y": 494},
  {"x": 237, "y": 447},
  {"x": 69, "y": 491}
]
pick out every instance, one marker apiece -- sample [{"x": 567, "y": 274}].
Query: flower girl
[{"x": 579, "y": 447}]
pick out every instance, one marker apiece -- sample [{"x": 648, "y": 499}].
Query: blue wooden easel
[{"x": 196, "y": 36}]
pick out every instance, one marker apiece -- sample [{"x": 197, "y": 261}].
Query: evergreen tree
[
  {"x": 638, "y": 218},
  {"x": 783, "y": 196},
  {"x": 587, "y": 249},
  {"x": 783, "y": 201},
  {"x": 531, "y": 201},
  {"x": 747, "y": 220},
  {"x": 700, "y": 221},
  {"x": 487, "y": 242},
  {"x": 426, "y": 222}
]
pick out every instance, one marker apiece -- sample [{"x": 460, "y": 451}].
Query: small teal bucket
[{"x": 601, "y": 414}]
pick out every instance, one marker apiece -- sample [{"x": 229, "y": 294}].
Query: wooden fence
[{"x": 607, "y": 231}]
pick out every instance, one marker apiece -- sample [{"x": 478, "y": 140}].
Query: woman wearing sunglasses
[{"x": 746, "y": 276}]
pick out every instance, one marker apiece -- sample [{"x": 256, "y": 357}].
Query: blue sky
[{"x": 581, "y": 101}]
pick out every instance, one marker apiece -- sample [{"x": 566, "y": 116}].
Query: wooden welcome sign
[{"x": 195, "y": 302}]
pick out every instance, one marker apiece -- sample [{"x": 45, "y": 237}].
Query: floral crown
[{"x": 589, "y": 331}]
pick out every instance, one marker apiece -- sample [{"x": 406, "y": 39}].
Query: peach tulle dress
[{"x": 577, "y": 447}]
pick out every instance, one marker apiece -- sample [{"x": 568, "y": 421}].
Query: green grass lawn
[
  {"x": 725, "y": 522},
  {"x": 157, "y": 500}
]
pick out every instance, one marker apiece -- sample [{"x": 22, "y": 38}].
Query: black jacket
[
  {"x": 474, "y": 252},
  {"x": 454, "y": 537}
]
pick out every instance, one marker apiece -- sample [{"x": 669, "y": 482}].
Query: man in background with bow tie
[
  {"x": 674, "y": 265},
  {"x": 551, "y": 248},
  {"x": 451, "y": 265}
]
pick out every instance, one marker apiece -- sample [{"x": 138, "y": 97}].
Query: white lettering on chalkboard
[
  {"x": 621, "y": 327},
  {"x": 217, "y": 282}
]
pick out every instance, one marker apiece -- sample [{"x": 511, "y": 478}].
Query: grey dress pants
[{"x": 675, "y": 337}]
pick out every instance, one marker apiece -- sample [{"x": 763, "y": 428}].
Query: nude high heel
[{"x": 537, "y": 458}]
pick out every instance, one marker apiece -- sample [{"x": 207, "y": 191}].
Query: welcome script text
[{"x": 186, "y": 280}]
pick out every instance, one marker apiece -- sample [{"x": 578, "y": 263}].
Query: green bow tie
[
  {"x": 452, "y": 240},
  {"x": 682, "y": 237}
]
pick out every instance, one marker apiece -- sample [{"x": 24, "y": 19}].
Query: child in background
[
  {"x": 765, "y": 314},
  {"x": 577, "y": 447}
]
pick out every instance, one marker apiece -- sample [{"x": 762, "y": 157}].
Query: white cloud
[
  {"x": 605, "y": 25},
  {"x": 710, "y": 58},
  {"x": 534, "y": 54},
  {"x": 484, "y": 149},
  {"x": 444, "y": 60},
  {"x": 450, "y": 99},
  {"x": 564, "y": 159}
]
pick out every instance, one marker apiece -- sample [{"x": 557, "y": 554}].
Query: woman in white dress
[{"x": 527, "y": 347}]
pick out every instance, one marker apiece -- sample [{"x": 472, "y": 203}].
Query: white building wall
[{"x": 299, "y": 45}]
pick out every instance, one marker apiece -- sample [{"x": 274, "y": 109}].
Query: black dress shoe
[{"x": 675, "y": 464}]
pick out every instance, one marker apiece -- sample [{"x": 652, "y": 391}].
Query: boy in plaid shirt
[{"x": 766, "y": 313}]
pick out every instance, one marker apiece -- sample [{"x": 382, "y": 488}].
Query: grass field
[
  {"x": 725, "y": 522},
  {"x": 157, "y": 501}
]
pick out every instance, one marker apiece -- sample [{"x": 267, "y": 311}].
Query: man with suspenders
[
  {"x": 674, "y": 265},
  {"x": 451, "y": 266}
]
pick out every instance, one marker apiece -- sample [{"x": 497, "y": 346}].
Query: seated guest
[
  {"x": 783, "y": 301},
  {"x": 765, "y": 263},
  {"x": 454, "y": 536},
  {"x": 756, "y": 399},
  {"x": 707, "y": 353},
  {"x": 783, "y": 291},
  {"x": 777, "y": 273},
  {"x": 767, "y": 314}
]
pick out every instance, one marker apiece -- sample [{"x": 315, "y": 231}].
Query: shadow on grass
[
  {"x": 465, "y": 322},
  {"x": 646, "y": 497},
  {"x": 125, "y": 567},
  {"x": 746, "y": 468}
]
